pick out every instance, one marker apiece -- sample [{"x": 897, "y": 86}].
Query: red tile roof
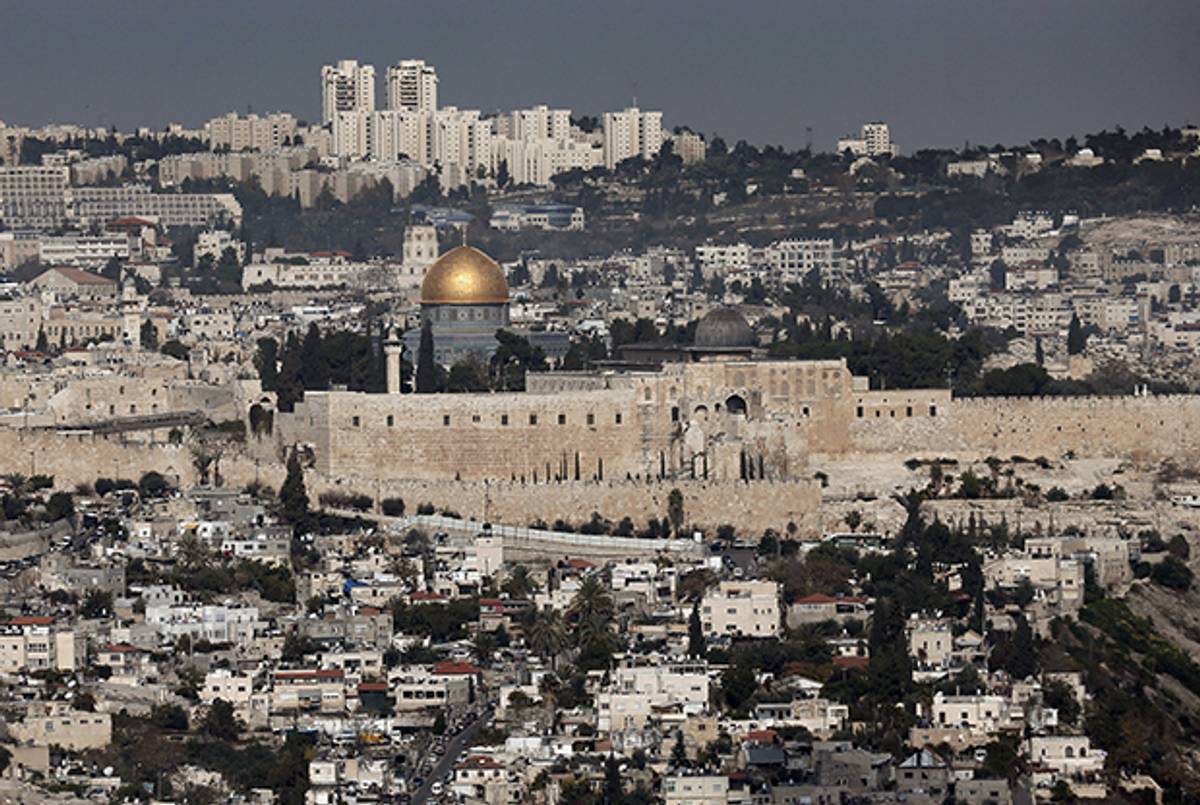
[
  {"x": 854, "y": 663},
  {"x": 77, "y": 276},
  {"x": 454, "y": 668},
  {"x": 821, "y": 598},
  {"x": 31, "y": 620}
]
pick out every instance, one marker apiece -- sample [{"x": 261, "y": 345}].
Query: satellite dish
[{"x": 108, "y": 770}]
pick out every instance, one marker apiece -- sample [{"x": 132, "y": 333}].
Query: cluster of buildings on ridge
[{"x": 346, "y": 658}]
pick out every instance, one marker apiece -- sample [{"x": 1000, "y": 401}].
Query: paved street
[{"x": 443, "y": 766}]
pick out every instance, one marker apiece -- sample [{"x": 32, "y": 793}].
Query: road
[{"x": 449, "y": 758}]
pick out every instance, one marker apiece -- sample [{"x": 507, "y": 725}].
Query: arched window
[{"x": 735, "y": 405}]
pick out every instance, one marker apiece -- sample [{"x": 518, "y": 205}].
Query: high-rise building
[
  {"x": 874, "y": 140},
  {"x": 540, "y": 123},
  {"x": 250, "y": 132},
  {"x": 631, "y": 133},
  {"x": 412, "y": 86},
  {"x": 346, "y": 87}
]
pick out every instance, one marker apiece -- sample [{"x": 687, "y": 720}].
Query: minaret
[{"x": 393, "y": 347}]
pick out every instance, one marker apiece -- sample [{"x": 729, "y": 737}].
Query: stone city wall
[
  {"x": 752, "y": 507},
  {"x": 1137, "y": 428}
]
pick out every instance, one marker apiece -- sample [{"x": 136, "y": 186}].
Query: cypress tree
[
  {"x": 293, "y": 495},
  {"x": 426, "y": 372},
  {"x": 1076, "y": 339},
  {"x": 696, "y": 645},
  {"x": 290, "y": 388},
  {"x": 314, "y": 371}
]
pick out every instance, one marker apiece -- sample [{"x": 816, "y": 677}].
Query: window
[
  {"x": 618, "y": 419},
  {"x": 474, "y": 417},
  {"x": 933, "y": 410},
  {"x": 504, "y": 419},
  {"x": 860, "y": 412},
  {"x": 908, "y": 410},
  {"x": 391, "y": 420},
  {"x": 446, "y": 420},
  {"x": 354, "y": 421},
  {"x": 674, "y": 413},
  {"x": 562, "y": 419},
  {"x": 591, "y": 419},
  {"x": 533, "y": 419}
]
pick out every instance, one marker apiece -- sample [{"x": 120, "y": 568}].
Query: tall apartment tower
[
  {"x": 412, "y": 86},
  {"x": 346, "y": 87},
  {"x": 631, "y": 133}
]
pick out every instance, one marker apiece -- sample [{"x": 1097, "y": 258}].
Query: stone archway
[{"x": 736, "y": 404}]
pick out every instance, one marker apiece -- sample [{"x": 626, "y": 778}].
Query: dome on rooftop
[
  {"x": 724, "y": 328},
  {"x": 464, "y": 276}
]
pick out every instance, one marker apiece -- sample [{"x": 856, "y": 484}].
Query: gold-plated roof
[{"x": 464, "y": 276}]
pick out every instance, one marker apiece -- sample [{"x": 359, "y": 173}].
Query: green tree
[
  {"x": 426, "y": 368},
  {"x": 1076, "y": 338},
  {"x": 290, "y": 385},
  {"x": 61, "y": 505},
  {"x": 547, "y": 635},
  {"x": 314, "y": 364},
  {"x": 696, "y": 642},
  {"x": 221, "y": 722},
  {"x": 675, "y": 511},
  {"x": 738, "y": 685},
  {"x": 97, "y": 604},
  {"x": 293, "y": 495},
  {"x": 148, "y": 335},
  {"x": 266, "y": 360}
]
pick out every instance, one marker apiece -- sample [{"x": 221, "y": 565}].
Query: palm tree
[
  {"x": 191, "y": 551},
  {"x": 520, "y": 583},
  {"x": 592, "y": 611},
  {"x": 547, "y": 635}
]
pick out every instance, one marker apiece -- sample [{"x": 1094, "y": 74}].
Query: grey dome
[{"x": 722, "y": 328}]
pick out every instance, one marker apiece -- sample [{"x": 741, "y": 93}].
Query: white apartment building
[
  {"x": 979, "y": 713},
  {"x": 346, "y": 87},
  {"x": 722, "y": 258},
  {"x": 539, "y": 123},
  {"x": 1065, "y": 754},
  {"x": 696, "y": 789},
  {"x": 237, "y": 689},
  {"x": 874, "y": 139},
  {"x": 689, "y": 147},
  {"x": 99, "y": 205},
  {"x": 352, "y": 133},
  {"x": 83, "y": 251},
  {"x": 33, "y": 643},
  {"x": 214, "y": 242},
  {"x": 20, "y": 319},
  {"x": 631, "y": 133},
  {"x": 316, "y": 270},
  {"x": 791, "y": 260},
  {"x": 744, "y": 608},
  {"x": 537, "y": 162},
  {"x": 399, "y": 134},
  {"x": 215, "y": 623},
  {"x": 638, "y": 690},
  {"x": 250, "y": 132},
  {"x": 412, "y": 85},
  {"x": 33, "y": 197}
]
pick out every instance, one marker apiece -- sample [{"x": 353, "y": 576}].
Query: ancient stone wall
[
  {"x": 752, "y": 507},
  {"x": 1138, "y": 428}
]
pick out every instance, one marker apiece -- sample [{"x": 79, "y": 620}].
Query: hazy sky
[{"x": 940, "y": 72}]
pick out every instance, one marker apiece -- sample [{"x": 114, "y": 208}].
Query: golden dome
[{"x": 464, "y": 276}]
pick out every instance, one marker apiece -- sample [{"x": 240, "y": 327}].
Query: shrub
[
  {"x": 1056, "y": 494},
  {"x": 392, "y": 507},
  {"x": 1173, "y": 574}
]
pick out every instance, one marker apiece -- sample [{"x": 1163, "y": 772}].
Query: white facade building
[
  {"x": 346, "y": 87},
  {"x": 631, "y": 133},
  {"x": 412, "y": 86}
]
